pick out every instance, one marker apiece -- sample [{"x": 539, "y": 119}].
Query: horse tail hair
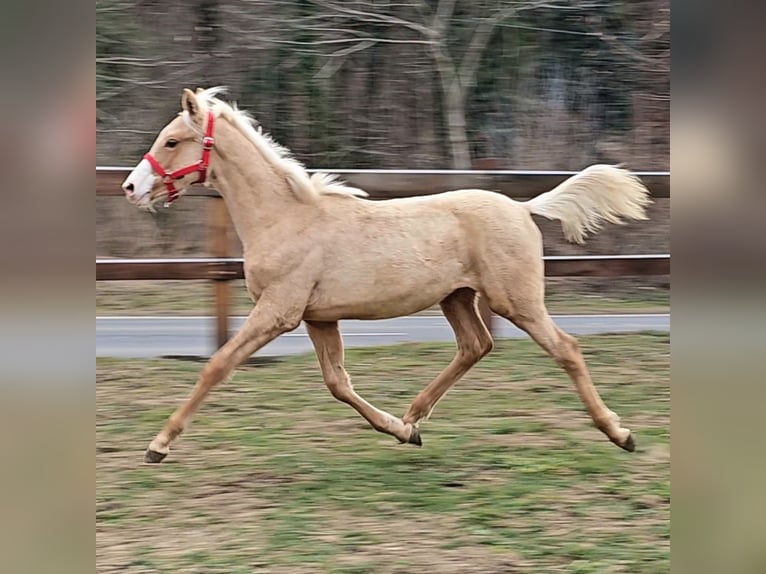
[{"x": 585, "y": 200}]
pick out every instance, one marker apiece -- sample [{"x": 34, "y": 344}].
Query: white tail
[{"x": 585, "y": 200}]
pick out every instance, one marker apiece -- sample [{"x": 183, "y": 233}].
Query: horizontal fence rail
[
  {"x": 388, "y": 184},
  {"x": 380, "y": 184},
  {"x": 228, "y": 268}
]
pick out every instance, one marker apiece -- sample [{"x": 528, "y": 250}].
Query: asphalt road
[{"x": 138, "y": 337}]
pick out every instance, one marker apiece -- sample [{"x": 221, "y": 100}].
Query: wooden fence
[
  {"x": 387, "y": 184},
  {"x": 221, "y": 268}
]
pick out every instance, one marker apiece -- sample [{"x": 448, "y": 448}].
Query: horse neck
[{"x": 255, "y": 194}]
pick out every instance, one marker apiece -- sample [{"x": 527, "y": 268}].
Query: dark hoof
[
  {"x": 415, "y": 437},
  {"x": 630, "y": 444},
  {"x": 153, "y": 457}
]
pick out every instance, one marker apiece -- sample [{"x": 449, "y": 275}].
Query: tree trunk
[
  {"x": 453, "y": 104},
  {"x": 458, "y": 139}
]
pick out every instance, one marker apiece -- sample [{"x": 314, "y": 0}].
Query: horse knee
[
  {"x": 567, "y": 353},
  {"x": 340, "y": 388},
  {"x": 287, "y": 322}
]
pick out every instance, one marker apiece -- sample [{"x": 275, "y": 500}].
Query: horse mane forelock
[{"x": 305, "y": 188}]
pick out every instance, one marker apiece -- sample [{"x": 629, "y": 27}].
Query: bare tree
[
  {"x": 382, "y": 83},
  {"x": 456, "y": 54}
]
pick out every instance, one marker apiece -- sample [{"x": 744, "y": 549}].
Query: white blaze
[{"x": 142, "y": 179}]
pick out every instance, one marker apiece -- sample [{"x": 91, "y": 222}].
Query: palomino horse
[{"x": 316, "y": 253}]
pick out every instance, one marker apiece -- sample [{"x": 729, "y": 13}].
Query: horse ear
[{"x": 189, "y": 103}]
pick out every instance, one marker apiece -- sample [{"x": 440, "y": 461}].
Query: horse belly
[
  {"x": 393, "y": 262},
  {"x": 381, "y": 296}
]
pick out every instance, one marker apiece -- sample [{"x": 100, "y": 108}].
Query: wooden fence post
[{"x": 218, "y": 241}]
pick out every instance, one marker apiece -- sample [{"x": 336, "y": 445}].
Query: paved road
[{"x": 136, "y": 337}]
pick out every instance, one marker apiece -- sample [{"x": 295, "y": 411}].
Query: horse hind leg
[{"x": 535, "y": 320}]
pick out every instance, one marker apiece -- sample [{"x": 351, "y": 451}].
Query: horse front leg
[
  {"x": 329, "y": 350},
  {"x": 263, "y": 325}
]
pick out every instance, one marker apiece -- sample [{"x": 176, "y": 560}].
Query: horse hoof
[
  {"x": 629, "y": 444},
  {"x": 415, "y": 437},
  {"x": 153, "y": 457}
]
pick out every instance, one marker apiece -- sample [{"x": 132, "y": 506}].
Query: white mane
[{"x": 305, "y": 188}]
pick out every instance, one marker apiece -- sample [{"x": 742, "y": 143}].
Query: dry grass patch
[{"x": 275, "y": 476}]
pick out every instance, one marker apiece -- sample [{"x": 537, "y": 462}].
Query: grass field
[
  {"x": 275, "y": 476},
  {"x": 196, "y": 298}
]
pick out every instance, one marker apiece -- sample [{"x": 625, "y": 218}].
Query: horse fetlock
[
  {"x": 414, "y": 417},
  {"x": 418, "y": 411},
  {"x": 620, "y": 436},
  {"x": 613, "y": 417},
  {"x": 608, "y": 423},
  {"x": 159, "y": 445}
]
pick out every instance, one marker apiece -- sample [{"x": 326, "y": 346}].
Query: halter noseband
[{"x": 200, "y": 167}]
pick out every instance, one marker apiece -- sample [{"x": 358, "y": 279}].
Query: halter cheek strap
[{"x": 200, "y": 167}]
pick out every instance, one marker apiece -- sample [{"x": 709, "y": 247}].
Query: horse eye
[{"x": 171, "y": 143}]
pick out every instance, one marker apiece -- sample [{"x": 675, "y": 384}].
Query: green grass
[
  {"x": 196, "y": 298},
  {"x": 274, "y": 475}
]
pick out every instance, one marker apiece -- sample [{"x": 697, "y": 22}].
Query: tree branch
[
  {"x": 361, "y": 40},
  {"x": 441, "y": 18},
  {"x": 373, "y": 16},
  {"x": 479, "y": 40}
]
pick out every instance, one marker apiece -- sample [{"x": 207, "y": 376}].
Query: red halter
[{"x": 200, "y": 166}]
